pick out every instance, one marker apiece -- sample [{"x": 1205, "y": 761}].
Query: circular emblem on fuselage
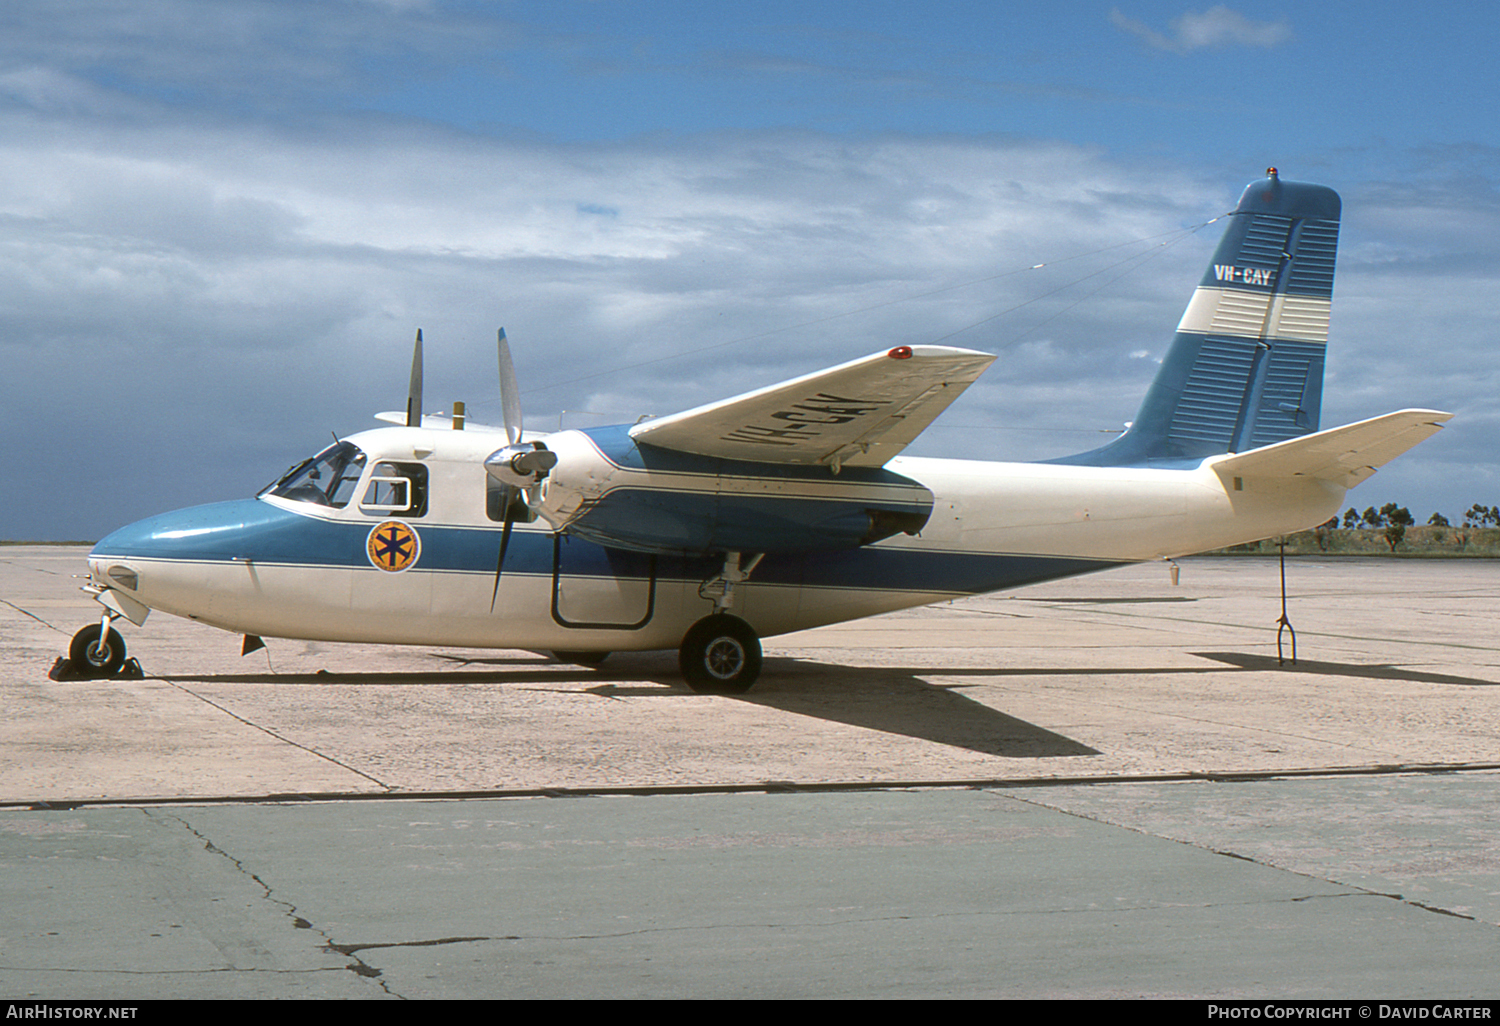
[{"x": 393, "y": 546}]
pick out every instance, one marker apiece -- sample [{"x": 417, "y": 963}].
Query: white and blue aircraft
[{"x": 778, "y": 510}]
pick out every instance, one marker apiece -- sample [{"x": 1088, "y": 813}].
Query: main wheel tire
[
  {"x": 581, "y": 658},
  {"x": 90, "y": 658},
  {"x": 720, "y": 655}
]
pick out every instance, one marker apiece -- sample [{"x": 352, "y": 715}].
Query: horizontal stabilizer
[
  {"x": 858, "y": 414},
  {"x": 1343, "y": 455}
]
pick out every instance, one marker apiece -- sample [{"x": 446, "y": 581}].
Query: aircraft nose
[
  {"x": 123, "y": 559},
  {"x": 215, "y": 531},
  {"x": 225, "y": 532},
  {"x": 180, "y": 562}
]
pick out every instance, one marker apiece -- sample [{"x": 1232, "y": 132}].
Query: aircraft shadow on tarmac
[
  {"x": 1119, "y": 601},
  {"x": 897, "y": 700},
  {"x": 893, "y": 700},
  {"x": 1376, "y": 671}
]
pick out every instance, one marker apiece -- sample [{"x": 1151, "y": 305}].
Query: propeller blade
[
  {"x": 508, "y": 496},
  {"x": 510, "y": 394},
  {"x": 414, "y": 391}
]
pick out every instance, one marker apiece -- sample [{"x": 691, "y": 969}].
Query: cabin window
[
  {"x": 327, "y": 479},
  {"x": 396, "y": 490},
  {"x": 494, "y": 503}
]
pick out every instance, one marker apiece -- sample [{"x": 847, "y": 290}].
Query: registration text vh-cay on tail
[{"x": 781, "y": 509}]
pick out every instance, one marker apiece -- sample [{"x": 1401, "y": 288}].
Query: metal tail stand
[{"x": 1284, "y": 624}]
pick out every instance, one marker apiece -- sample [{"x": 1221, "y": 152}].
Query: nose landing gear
[{"x": 96, "y": 652}]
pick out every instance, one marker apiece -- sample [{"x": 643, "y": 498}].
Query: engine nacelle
[{"x": 607, "y": 489}]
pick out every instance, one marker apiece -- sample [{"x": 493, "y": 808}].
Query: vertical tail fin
[{"x": 1246, "y": 366}]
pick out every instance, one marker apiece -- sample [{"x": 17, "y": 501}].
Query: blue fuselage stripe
[{"x": 262, "y": 533}]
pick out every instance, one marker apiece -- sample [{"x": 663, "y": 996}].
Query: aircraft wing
[
  {"x": 858, "y": 414},
  {"x": 1344, "y": 455}
]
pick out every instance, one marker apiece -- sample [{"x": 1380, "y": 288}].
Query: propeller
[{"x": 519, "y": 466}]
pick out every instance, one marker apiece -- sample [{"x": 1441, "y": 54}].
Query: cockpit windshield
[{"x": 327, "y": 479}]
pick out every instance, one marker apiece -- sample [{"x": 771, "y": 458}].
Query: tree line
[{"x": 1393, "y": 520}]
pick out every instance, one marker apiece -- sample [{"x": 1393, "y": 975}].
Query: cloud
[{"x": 1214, "y": 28}]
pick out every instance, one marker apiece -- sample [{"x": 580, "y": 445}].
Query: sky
[{"x": 222, "y": 221}]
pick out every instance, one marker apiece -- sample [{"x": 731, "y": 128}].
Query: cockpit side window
[
  {"x": 396, "y": 490},
  {"x": 327, "y": 479}
]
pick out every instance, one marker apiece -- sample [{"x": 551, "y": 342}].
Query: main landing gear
[{"x": 720, "y": 655}]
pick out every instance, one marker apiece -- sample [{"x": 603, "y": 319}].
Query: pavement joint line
[
  {"x": 29, "y": 613},
  {"x": 761, "y": 787},
  {"x": 271, "y": 733},
  {"x": 1354, "y": 890},
  {"x": 225, "y": 970}
]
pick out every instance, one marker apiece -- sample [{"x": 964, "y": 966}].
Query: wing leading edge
[{"x": 858, "y": 414}]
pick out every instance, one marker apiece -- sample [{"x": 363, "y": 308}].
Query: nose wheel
[
  {"x": 95, "y": 653},
  {"x": 720, "y": 655}
]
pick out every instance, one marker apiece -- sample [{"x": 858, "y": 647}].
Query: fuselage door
[{"x": 598, "y": 588}]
